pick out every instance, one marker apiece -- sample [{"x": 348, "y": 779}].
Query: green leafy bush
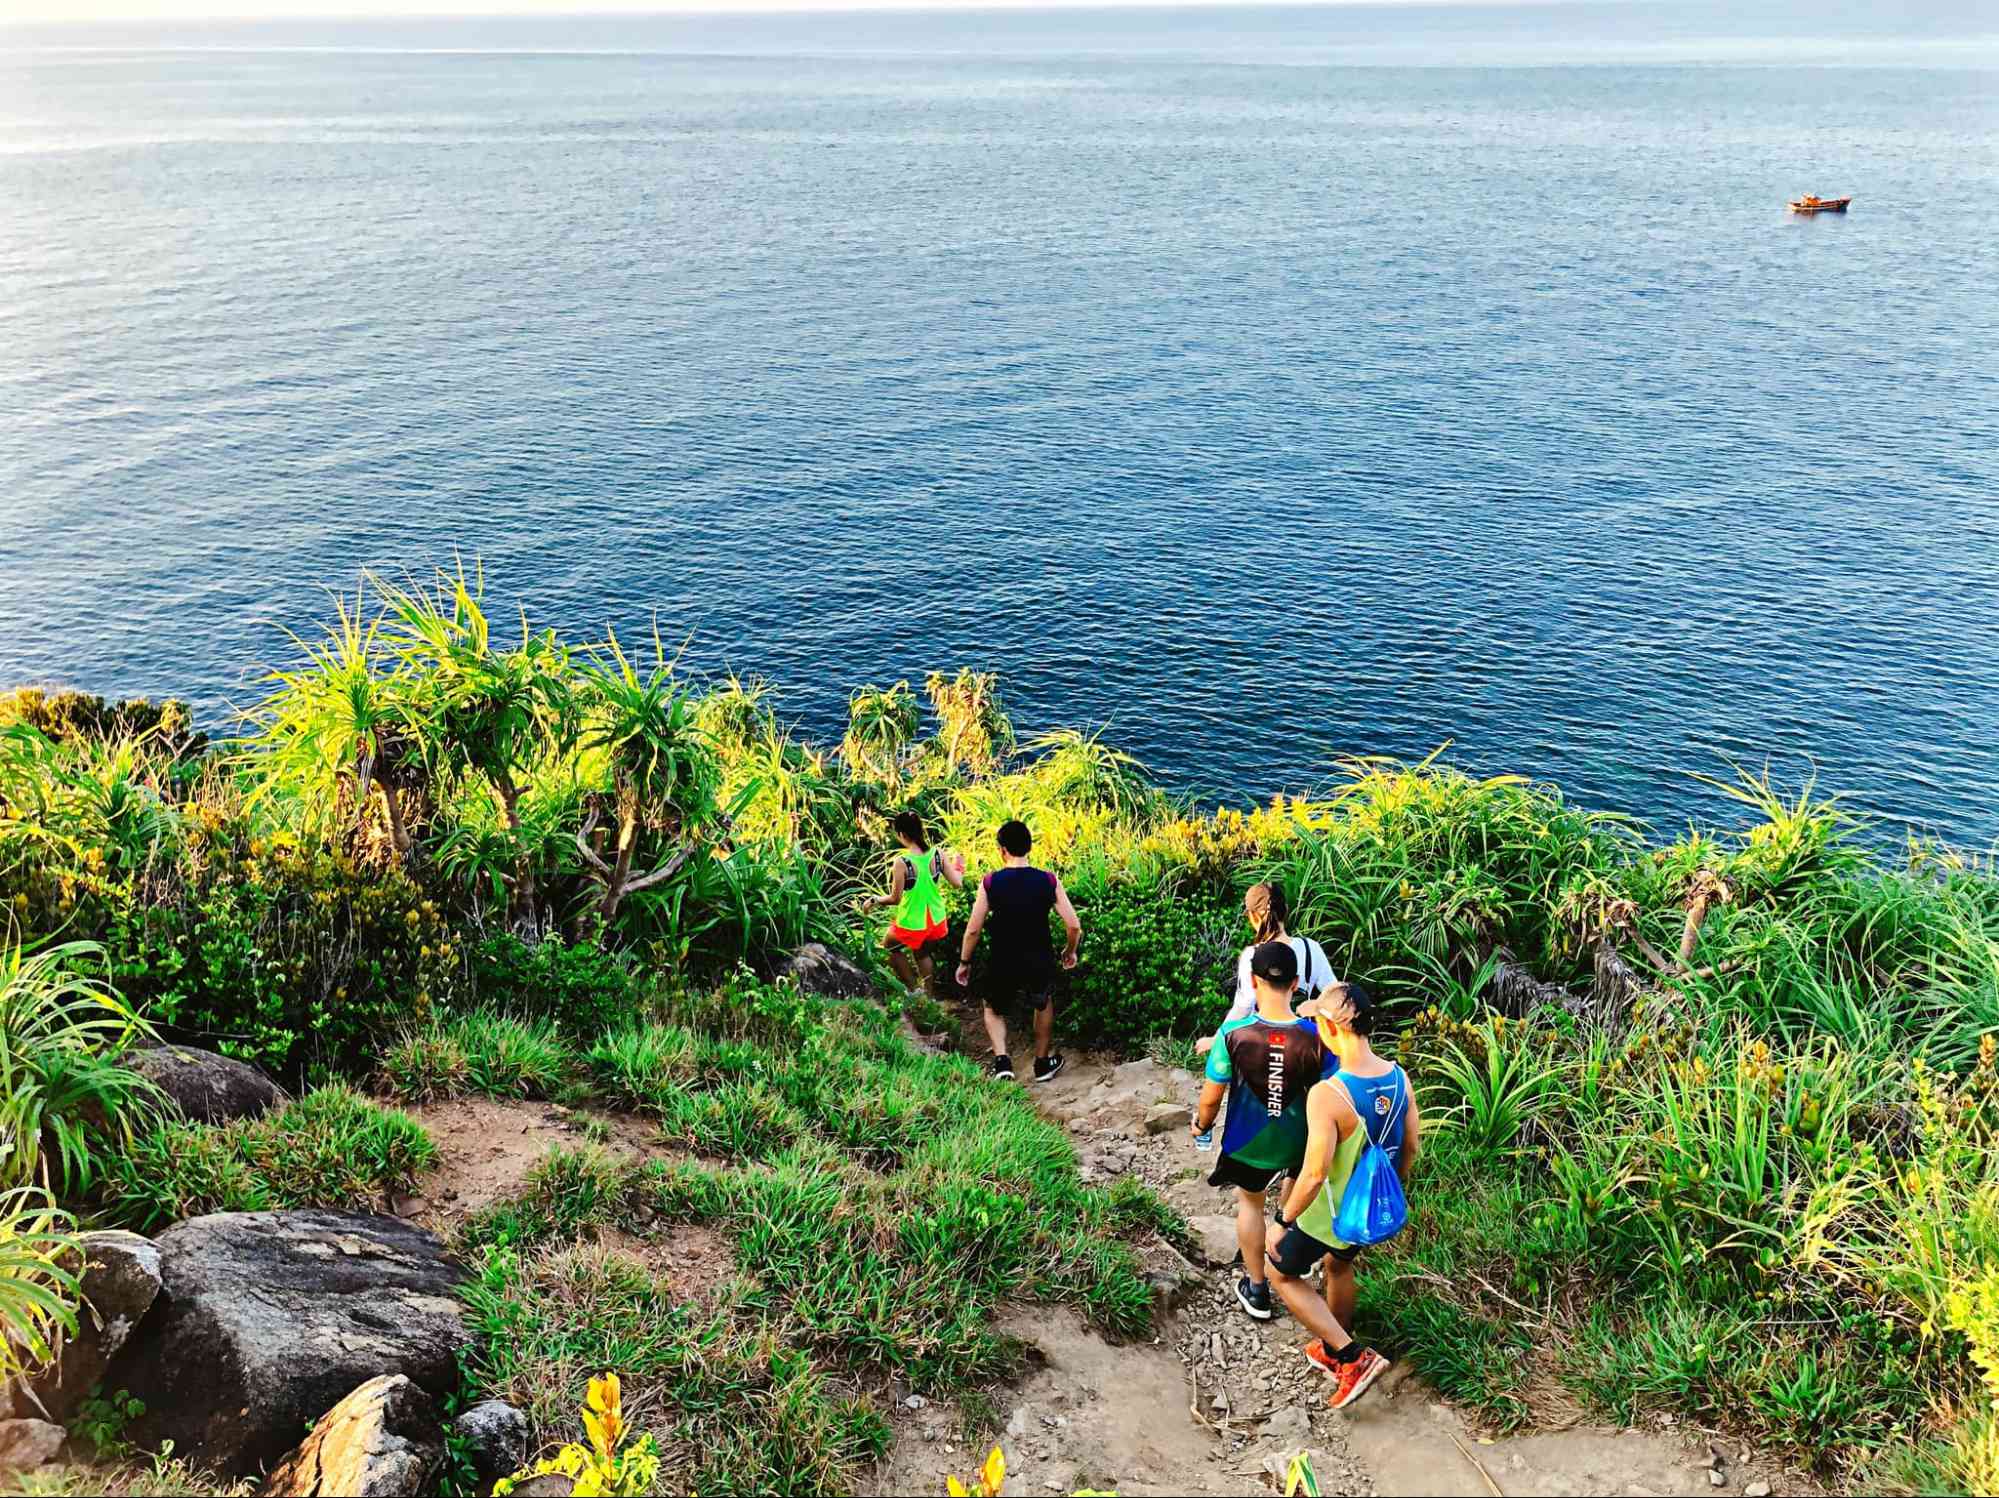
[
  {"x": 580, "y": 986},
  {"x": 1151, "y": 964},
  {"x": 279, "y": 953}
]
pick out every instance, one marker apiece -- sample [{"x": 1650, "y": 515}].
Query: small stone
[
  {"x": 1016, "y": 1425},
  {"x": 915, "y": 1402},
  {"x": 1757, "y": 1489},
  {"x": 27, "y": 1444},
  {"x": 1715, "y": 1479},
  {"x": 495, "y": 1438}
]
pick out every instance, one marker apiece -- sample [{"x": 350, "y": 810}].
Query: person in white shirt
[{"x": 1267, "y": 910}]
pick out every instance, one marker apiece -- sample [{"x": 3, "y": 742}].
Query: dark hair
[
  {"x": 908, "y": 824},
  {"x": 1267, "y": 904},
  {"x": 1361, "y": 997},
  {"x": 1014, "y": 838}
]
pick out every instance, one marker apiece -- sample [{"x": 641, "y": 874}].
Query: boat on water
[{"x": 1810, "y": 204}]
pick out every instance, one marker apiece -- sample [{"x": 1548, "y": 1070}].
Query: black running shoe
[
  {"x": 1047, "y": 1068},
  {"x": 1255, "y": 1298},
  {"x": 1002, "y": 1068}
]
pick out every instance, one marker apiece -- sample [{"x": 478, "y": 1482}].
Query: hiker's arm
[
  {"x": 1412, "y": 1138},
  {"x": 1069, "y": 923},
  {"x": 1212, "y": 1094},
  {"x": 1330, "y": 1117},
  {"x": 973, "y": 926},
  {"x": 953, "y": 865}
]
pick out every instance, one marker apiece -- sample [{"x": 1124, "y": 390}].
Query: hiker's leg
[
  {"x": 905, "y": 969},
  {"x": 1310, "y": 1312},
  {"x": 1044, "y": 1030},
  {"x": 1341, "y": 1287},
  {"x": 995, "y": 1030},
  {"x": 1251, "y": 1232},
  {"x": 926, "y": 969}
]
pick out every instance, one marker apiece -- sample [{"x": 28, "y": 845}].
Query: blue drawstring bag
[{"x": 1373, "y": 1209}]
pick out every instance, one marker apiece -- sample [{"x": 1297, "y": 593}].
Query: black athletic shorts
[
  {"x": 1229, "y": 1171},
  {"x": 1298, "y": 1251},
  {"x": 1018, "y": 996}
]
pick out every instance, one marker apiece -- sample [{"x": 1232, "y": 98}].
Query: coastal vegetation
[{"x": 1715, "y": 1116}]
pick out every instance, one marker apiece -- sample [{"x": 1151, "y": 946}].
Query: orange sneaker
[
  {"x": 1319, "y": 1358},
  {"x": 1357, "y": 1377}
]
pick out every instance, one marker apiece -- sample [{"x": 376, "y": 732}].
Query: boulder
[
  {"x": 266, "y": 1320},
  {"x": 381, "y": 1441},
  {"x": 206, "y": 1087},
  {"x": 817, "y": 968},
  {"x": 1217, "y": 1236},
  {"x": 1161, "y": 1118},
  {"x": 121, "y": 1278},
  {"x": 496, "y": 1440},
  {"x": 27, "y": 1444}
]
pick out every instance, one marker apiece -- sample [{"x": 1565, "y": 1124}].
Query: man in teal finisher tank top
[
  {"x": 1367, "y": 1097},
  {"x": 1264, "y": 1063}
]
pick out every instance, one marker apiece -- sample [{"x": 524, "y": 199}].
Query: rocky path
[{"x": 1218, "y": 1404}]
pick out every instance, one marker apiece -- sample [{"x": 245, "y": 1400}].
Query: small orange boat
[{"x": 1810, "y": 204}]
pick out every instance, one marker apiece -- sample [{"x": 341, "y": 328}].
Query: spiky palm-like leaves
[
  {"x": 882, "y": 724},
  {"x": 663, "y": 773}
]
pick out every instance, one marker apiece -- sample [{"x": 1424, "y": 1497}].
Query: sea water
[{"x": 1263, "y": 385}]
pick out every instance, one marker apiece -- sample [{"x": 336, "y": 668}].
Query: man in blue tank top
[
  {"x": 1014, "y": 902},
  {"x": 1367, "y": 1097}
]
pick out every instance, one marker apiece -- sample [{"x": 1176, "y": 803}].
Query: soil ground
[{"x": 1218, "y": 1404}]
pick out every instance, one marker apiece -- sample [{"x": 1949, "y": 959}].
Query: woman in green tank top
[{"x": 916, "y": 895}]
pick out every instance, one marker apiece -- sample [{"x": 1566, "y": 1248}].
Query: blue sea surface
[{"x": 1265, "y": 385}]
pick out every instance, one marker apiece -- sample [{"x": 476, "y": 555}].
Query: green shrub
[
  {"x": 332, "y": 1148},
  {"x": 1151, "y": 964},
  {"x": 581, "y": 987},
  {"x": 277, "y": 953}
]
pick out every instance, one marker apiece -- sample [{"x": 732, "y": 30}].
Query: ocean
[{"x": 1262, "y": 386}]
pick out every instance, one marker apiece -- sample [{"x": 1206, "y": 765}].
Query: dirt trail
[{"x": 1218, "y": 1404}]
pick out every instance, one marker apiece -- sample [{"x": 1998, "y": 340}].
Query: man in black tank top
[{"x": 1013, "y": 903}]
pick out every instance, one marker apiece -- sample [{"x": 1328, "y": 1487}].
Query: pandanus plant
[
  {"x": 974, "y": 733},
  {"x": 344, "y": 722},
  {"x": 479, "y": 713},
  {"x": 663, "y": 774},
  {"x": 882, "y": 722}
]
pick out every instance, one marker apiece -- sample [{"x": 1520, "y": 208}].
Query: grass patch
[
  {"x": 483, "y": 1053},
  {"x": 332, "y": 1148},
  {"x": 735, "y": 1410},
  {"x": 882, "y": 1203}
]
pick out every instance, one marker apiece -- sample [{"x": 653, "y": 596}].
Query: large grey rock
[
  {"x": 121, "y": 1279},
  {"x": 817, "y": 968},
  {"x": 1217, "y": 1236},
  {"x": 496, "y": 1439},
  {"x": 266, "y": 1320},
  {"x": 1163, "y": 1118},
  {"x": 381, "y": 1441},
  {"x": 206, "y": 1087},
  {"x": 27, "y": 1444}
]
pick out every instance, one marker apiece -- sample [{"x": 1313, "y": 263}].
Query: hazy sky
[{"x": 89, "y": 10}]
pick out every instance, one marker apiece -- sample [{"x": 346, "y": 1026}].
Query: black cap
[{"x": 1276, "y": 962}]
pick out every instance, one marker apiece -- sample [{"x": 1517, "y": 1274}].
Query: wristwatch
[{"x": 1279, "y": 1214}]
